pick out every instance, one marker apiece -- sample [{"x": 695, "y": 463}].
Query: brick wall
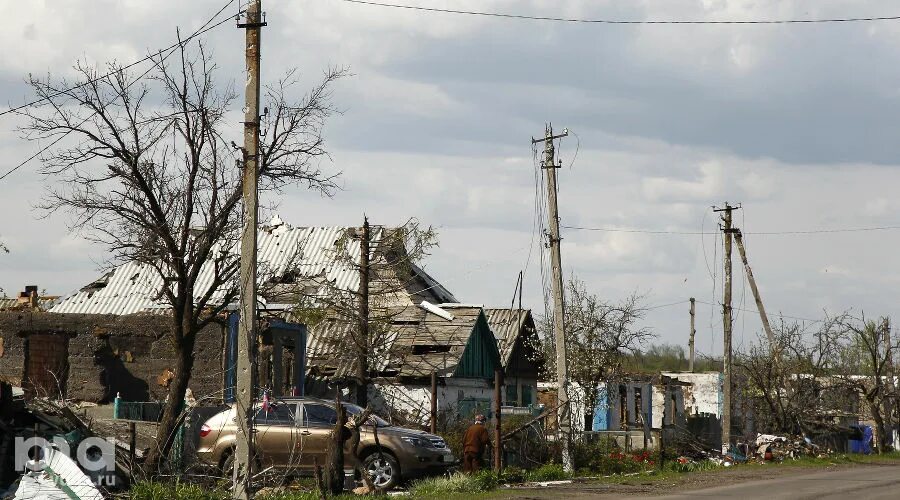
[
  {"x": 46, "y": 364},
  {"x": 109, "y": 354}
]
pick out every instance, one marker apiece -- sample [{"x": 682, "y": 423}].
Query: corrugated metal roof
[
  {"x": 311, "y": 253},
  {"x": 507, "y": 325}
]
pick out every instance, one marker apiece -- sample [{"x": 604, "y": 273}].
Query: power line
[
  {"x": 764, "y": 233},
  {"x": 170, "y": 50},
  {"x": 128, "y": 66},
  {"x": 754, "y": 311},
  {"x": 614, "y": 21},
  {"x": 650, "y": 308}
]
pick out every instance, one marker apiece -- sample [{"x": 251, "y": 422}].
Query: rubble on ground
[{"x": 59, "y": 423}]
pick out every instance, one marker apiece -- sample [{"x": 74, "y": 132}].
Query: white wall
[
  {"x": 704, "y": 395},
  {"x": 415, "y": 400}
]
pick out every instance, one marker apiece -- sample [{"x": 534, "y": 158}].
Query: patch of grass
[
  {"x": 547, "y": 472},
  {"x": 150, "y": 490},
  {"x": 304, "y": 495},
  {"x": 690, "y": 466},
  {"x": 457, "y": 483}
]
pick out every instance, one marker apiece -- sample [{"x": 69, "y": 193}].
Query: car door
[
  {"x": 317, "y": 422},
  {"x": 275, "y": 433}
]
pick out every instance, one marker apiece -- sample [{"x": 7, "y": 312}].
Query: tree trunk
[
  {"x": 362, "y": 343},
  {"x": 168, "y": 425},
  {"x": 881, "y": 438},
  {"x": 334, "y": 471}
]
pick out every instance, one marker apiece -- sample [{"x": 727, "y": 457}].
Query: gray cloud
[{"x": 797, "y": 122}]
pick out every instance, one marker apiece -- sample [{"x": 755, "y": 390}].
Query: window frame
[
  {"x": 279, "y": 423},
  {"x": 304, "y": 421}
]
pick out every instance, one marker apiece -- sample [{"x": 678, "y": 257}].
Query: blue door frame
[{"x": 279, "y": 329}]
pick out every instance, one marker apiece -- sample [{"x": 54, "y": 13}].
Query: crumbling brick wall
[
  {"x": 111, "y": 354},
  {"x": 46, "y": 364}
]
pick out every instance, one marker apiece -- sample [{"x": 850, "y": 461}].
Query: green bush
[
  {"x": 513, "y": 475},
  {"x": 457, "y": 483},
  {"x": 148, "y": 490},
  {"x": 548, "y": 472}
]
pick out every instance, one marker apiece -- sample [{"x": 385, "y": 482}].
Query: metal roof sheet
[
  {"x": 507, "y": 325},
  {"x": 309, "y": 252}
]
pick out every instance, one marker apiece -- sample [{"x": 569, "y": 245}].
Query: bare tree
[
  {"x": 361, "y": 316},
  {"x": 150, "y": 172},
  {"x": 599, "y": 335},
  {"x": 867, "y": 366},
  {"x": 792, "y": 395}
]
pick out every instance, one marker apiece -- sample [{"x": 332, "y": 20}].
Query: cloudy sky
[{"x": 798, "y": 122}]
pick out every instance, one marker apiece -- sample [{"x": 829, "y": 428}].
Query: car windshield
[{"x": 373, "y": 419}]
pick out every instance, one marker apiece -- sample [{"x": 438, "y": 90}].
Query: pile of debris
[
  {"x": 770, "y": 447},
  {"x": 46, "y": 447}
]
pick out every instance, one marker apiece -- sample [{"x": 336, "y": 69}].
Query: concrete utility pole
[
  {"x": 890, "y": 402},
  {"x": 563, "y": 413},
  {"x": 434, "y": 402},
  {"x": 773, "y": 348},
  {"x": 247, "y": 338},
  {"x": 498, "y": 433},
  {"x": 693, "y": 334},
  {"x": 362, "y": 344},
  {"x": 727, "y": 231}
]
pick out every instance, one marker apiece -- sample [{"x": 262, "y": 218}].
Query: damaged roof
[
  {"x": 508, "y": 325},
  {"x": 421, "y": 340},
  {"x": 306, "y": 253}
]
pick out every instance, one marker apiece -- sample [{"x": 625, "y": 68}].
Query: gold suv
[{"x": 293, "y": 434}]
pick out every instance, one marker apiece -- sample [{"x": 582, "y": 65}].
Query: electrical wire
[
  {"x": 754, "y": 311},
  {"x": 757, "y": 233},
  {"x": 614, "y": 21},
  {"x": 171, "y": 49},
  {"x": 650, "y": 308},
  {"x": 101, "y": 77}
]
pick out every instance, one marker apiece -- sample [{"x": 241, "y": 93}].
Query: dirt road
[{"x": 859, "y": 482}]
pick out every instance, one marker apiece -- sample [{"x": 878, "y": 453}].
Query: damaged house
[
  {"x": 460, "y": 345},
  {"x": 112, "y": 333}
]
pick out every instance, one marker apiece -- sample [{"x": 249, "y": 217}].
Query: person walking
[{"x": 475, "y": 440}]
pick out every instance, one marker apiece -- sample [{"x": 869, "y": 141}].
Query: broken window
[
  {"x": 512, "y": 396},
  {"x": 527, "y": 395}
]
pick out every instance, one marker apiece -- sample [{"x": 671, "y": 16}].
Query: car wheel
[{"x": 383, "y": 470}]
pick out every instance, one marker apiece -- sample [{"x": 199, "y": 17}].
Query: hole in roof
[{"x": 430, "y": 349}]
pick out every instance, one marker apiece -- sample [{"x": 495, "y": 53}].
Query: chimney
[{"x": 28, "y": 298}]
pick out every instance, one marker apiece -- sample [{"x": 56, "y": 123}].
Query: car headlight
[{"x": 417, "y": 442}]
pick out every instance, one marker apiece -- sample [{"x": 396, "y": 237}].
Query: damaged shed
[{"x": 92, "y": 357}]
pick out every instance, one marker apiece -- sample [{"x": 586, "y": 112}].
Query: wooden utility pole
[
  {"x": 498, "y": 433},
  {"x": 693, "y": 334},
  {"x": 362, "y": 343},
  {"x": 247, "y": 338},
  {"x": 727, "y": 231},
  {"x": 773, "y": 348},
  {"x": 563, "y": 417}
]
